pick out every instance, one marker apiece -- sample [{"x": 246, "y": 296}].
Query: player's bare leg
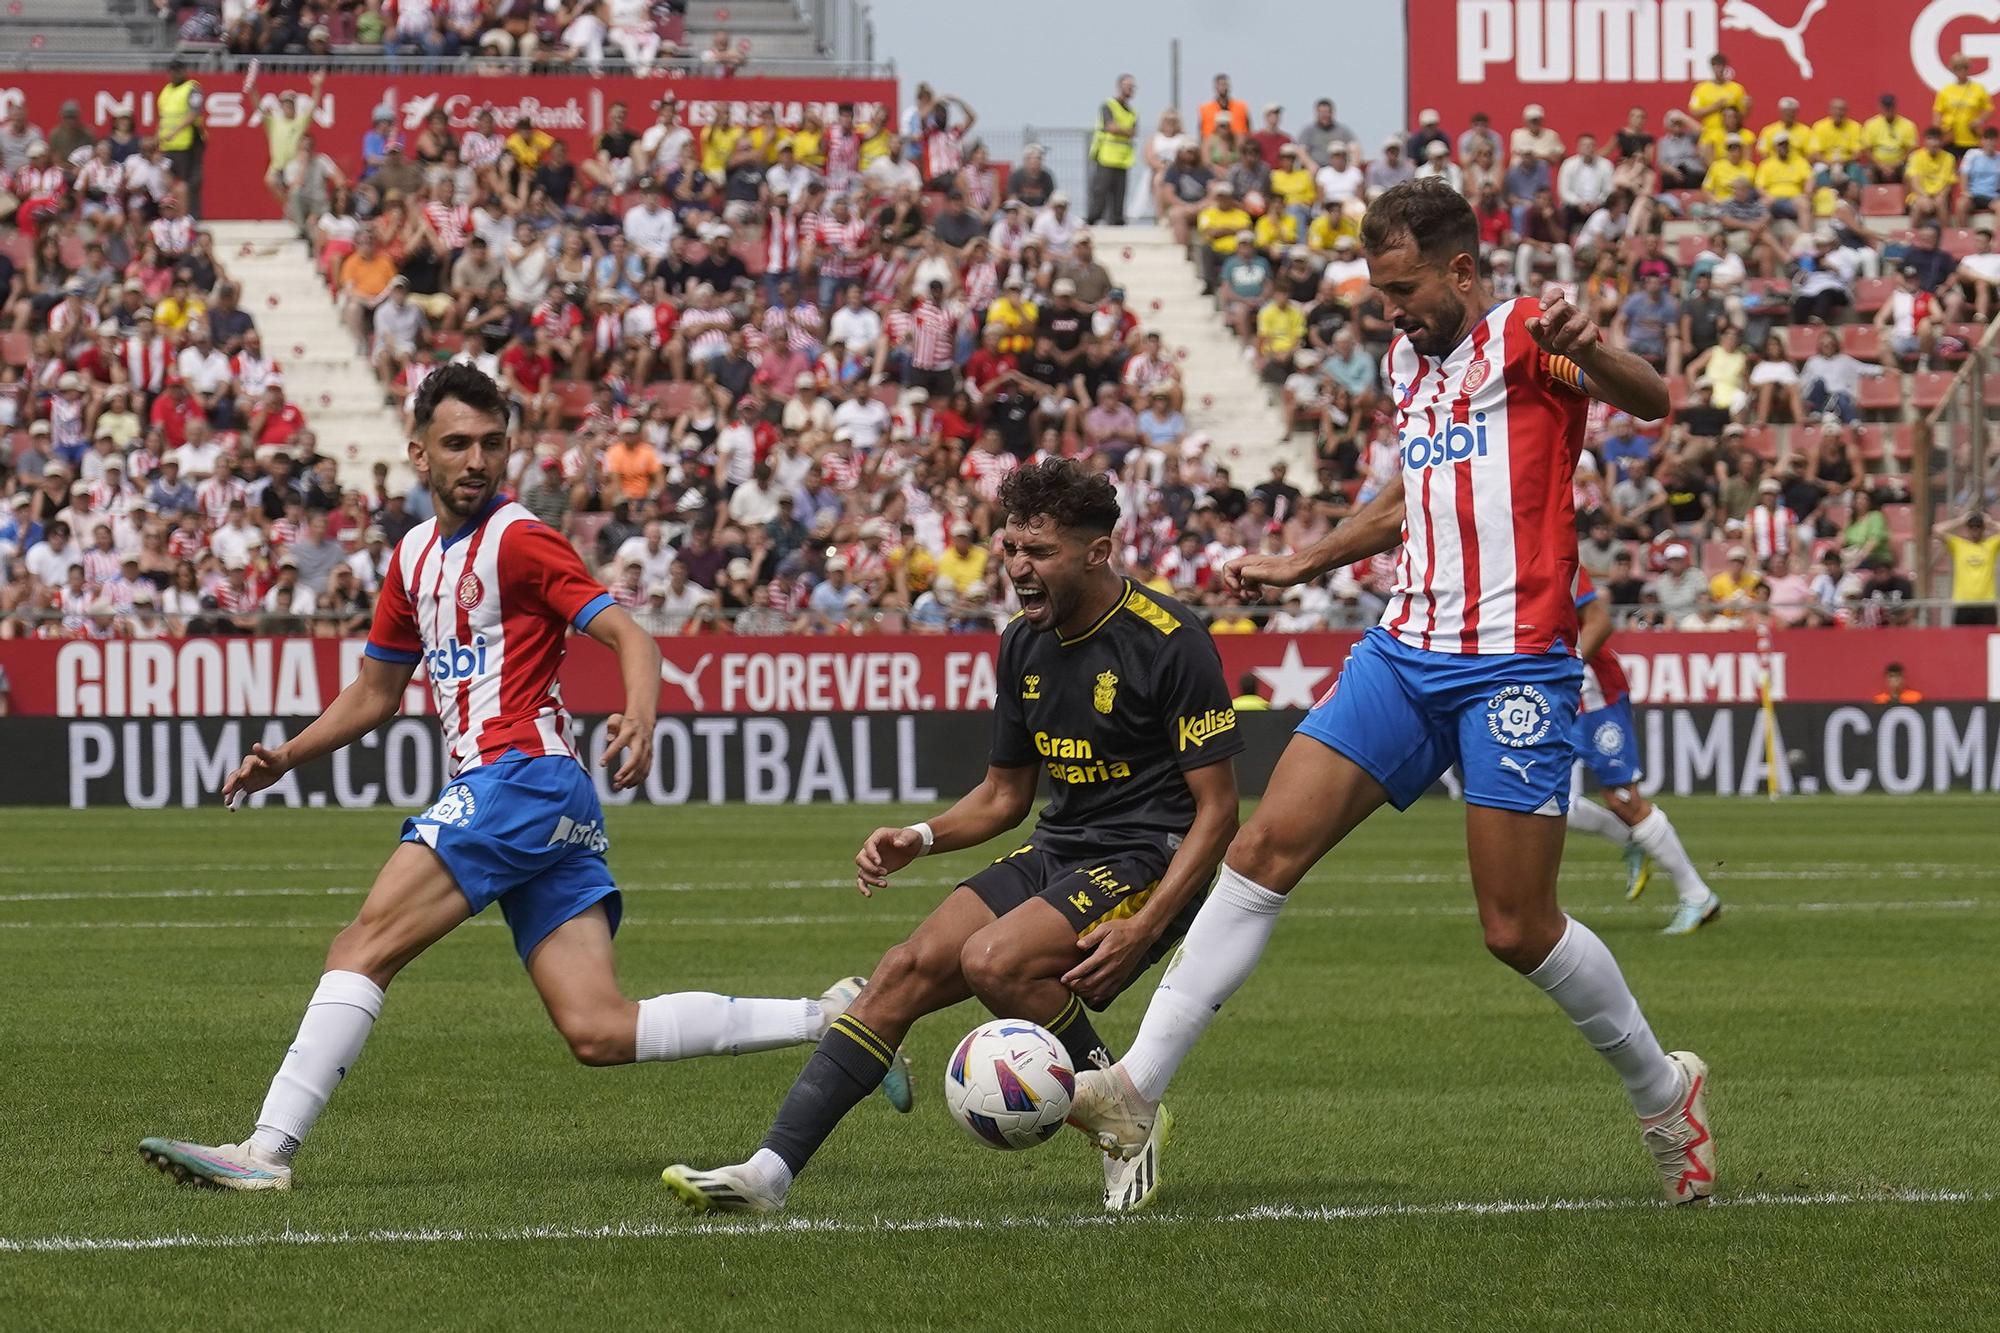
[
  {"x": 919, "y": 976},
  {"x": 1654, "y": 834},
  {"x": 414, "y": 903},
  {"x": 1316, "y": 797},
  {"x": 1515, "y": 858}
]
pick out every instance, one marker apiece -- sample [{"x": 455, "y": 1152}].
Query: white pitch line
[{"x": 693, "y": 1230}]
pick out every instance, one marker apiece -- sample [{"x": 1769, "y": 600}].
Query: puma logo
[
  {"x": 689, "y": 681},
  {"x": 1509, "y": 762},
  {"x": 1742, "y": 16}
]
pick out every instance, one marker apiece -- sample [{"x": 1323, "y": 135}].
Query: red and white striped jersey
[
  {"x": 451, "y": 222},
  {"x": 253, "y": 373},
  {"x": 1604, "y": 680},
  {"x": 883, "y": 276},
  {"x": 840, "y": 246},
  {"x": 486, "y": 612},
  {"x": 843, "y": 157},
  {"x": 1489, "y": 436},
  {"x": 943, "y": 152},
  {"x": 146, "y": 362},
  {"x": 986, "y": 471},
  {"x": 936, "y": 328},
  {"x": 781, "y": 241},
  {"x": 39, "y": 182},
  {"x": 172, "y": 237},
  {"x": 214, "y": 496},
  {"x": 1772, "y": 531}
]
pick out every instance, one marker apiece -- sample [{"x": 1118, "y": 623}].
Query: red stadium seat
[
  {"x": 1928, "y": 387},
  {"x": 1958, "y": 242},
  {"x": 1805, "y": 440},
  {"x": 573, "y": 398},
  {"x": 1802, "y": 340},
  {"x": 16, "y": 348},
  {"x": 1861, "y": 341},
  {"x": 1677, "y": 392},
  {"x": 1882, "y": 393},
  {"x": 1882, "y": 201},
  {"x": 1686, "y": 249},
  {"x": 1761, "y": 441},
  {"x": 449, "y": 341},
  {"x": 676, "y": 395},
  {"x": 1870, "y": 294},
  {"x": 1870, "y": 440},
  {"x": 1903, "y": 442}
]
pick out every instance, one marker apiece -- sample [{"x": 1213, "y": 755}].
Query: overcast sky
[{"x": 1067, "y": 53}]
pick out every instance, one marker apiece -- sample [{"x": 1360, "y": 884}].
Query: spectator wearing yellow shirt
[
  {"x": 718, "y": 143},
  {"x": 1281, "y": 326},
  {"x": 809, "y": 143},
  {"x": 876, "y": 143},
  {"x": 1328, "y": 228},
  {"x": 1015, "y": 316},
  {"x": 1961, "y": 107},
  {"x": 1292, "y": 186},
  {"x": 1732, "y": 589},
  {"x": 1723, "y": 173},
  {"x": 1888, "y": 139},
  {"x": 1714, "y": 94},
  {"x": 1974, "y": 556},
  {"x": 1713, "y": 141},
  {"x": 1783, "y": 177},
  {"x": 1930, "y": 175},
  {"x": 1248, "y": 698},
  {"x": 963, "y": 561},
  {"x": 1276, "y": 230},
  {"x": 1218, "y": 225},
  {"x": 528, "y": 145},
  {"x": 1788, "y": 122},
  {"x": 1836, "y": 146},
  {"x": 1231, "y": 620}
]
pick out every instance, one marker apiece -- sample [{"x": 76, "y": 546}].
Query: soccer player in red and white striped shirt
[
  {"x": 482, "y": 599},
  {"x": 1474, "y": 664}
]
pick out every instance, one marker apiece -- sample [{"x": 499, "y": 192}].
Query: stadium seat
[
  {"x": 1882, "y": 393},
  {"x": 1801, "y": 340},
  {"x": 1805, "y": 440},
  {"x": 1869, "y": 438},
  {"x": 1677, "y": 392},
  {"x": 448, "y": 341},
  {"x": 1863, "y": 342},
  {"x": 1686, "y": 249},
  {"x": 1928, "y": 388},
  {"x": 1870, "y": 294},
  {"x": 1882, "y": 201},
  {"x": 1903, "y": 442},
  {"x": 1761, "y": 441},
  {"x": 573, "y": 398},
  {"x": 1958, "y": 242},
  {"x": 676, "y": 395},
  {"x": 16, "y": 348}
]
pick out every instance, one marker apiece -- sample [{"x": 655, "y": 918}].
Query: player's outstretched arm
[
  {"x": 1000, "y": 801},
  {"x": 1610, "y": 374},
  {"x": 1117, "y": 948},
  {"x": 631, "y": 732},
  {"x": 364, "y": 705},
  {"x": 1376, "y": 528}
]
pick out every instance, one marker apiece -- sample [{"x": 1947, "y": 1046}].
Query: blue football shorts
[
  {"x": 1406, "y": 715},
  {"x": 528, "y": 834},
  {"x": 1608, "y": 744}
]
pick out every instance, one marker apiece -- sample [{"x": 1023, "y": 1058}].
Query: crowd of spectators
[
  {"x": 769, "y": 377},
  {"x": 1802, "y": 285}
]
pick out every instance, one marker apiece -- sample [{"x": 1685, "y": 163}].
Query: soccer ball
[{"x": 1009, "y": 1083}]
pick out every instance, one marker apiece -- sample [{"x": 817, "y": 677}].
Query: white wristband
[{"x": 924, "y": 831}]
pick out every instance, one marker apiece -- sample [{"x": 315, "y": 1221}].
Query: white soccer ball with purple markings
[{"x": 1009, "y": 1084}]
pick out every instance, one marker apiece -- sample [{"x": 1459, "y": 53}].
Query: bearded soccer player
[
  {"x": 1607, "y": 744},
  {"x": 483, "y": 597},
  {"x": 1474, "y": 663},
  {"x": 1118, "y": 694}
]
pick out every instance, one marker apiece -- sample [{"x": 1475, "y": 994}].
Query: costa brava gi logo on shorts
[
  {"x": 1609, "y": 738},
  {"x": 455, "y": 807},
  {"x": 1519, "y": 716}
]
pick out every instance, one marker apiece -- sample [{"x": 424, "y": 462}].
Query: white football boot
[
  {"x": 1680, "y": 1140},
  {"x": 1107, "y": 1108},
  {"x": 228, "y": 1166},
  {"x": 1131, "y": 1184},
  {"x": 726, "y": 1189},
  {"x": 897, "y": 1086}
]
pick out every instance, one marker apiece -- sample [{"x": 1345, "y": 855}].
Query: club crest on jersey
[
  {"x": 470, "y": 590},
  {"x": 1519, "y": 716},
  {"x": 1106, "y": 694},
  {"x": 1456, "y": 442},
  {"x": 455, "y": 807},
  {"x": 1475, "y": 376},
  {"x": 1031, "y": 687},
  {"x": 1609, "y": 738}
]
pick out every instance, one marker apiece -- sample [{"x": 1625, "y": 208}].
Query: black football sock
[
  {"x": 848, "y": 1065},
  {"x": 1073, "y": 1028}
]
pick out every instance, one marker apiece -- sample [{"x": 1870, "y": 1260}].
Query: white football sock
[
  {"x": 1656, "y": 834},
  {"x": 690, "y": 1023},
  {"x": 1582, "y": 977},
  {"x": 1222, "y": 946},
  {"x": 1587, "y": 816},
  {"x": 770, "y": 1168},
  {"x": 337, "y": 1022}
]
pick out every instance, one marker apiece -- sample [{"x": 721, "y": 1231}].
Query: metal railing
[
  {"x": 214, "y": 61},
  {"x": 845, "y": 29}
]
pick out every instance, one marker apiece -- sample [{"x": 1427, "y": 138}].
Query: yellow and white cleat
[
  {"x": 1680, "y": 1139},
  {"x": 1109, "y": 1109},
  {"x": 1131, "y": 1184},
  {"x": 726, "y": 1189},
  {"x": 228, "y": 1166}
]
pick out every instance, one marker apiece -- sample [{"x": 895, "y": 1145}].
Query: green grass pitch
[{"x": 1384, "y": 1129}]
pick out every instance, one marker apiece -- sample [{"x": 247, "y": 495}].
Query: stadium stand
[{"x": 769, "y": 376}]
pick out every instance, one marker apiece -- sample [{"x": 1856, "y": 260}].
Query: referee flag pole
[{"x": 1769, "y": 709}]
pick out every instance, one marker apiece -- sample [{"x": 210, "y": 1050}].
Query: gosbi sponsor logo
[
  {"x": 1199, "y": 731},
  {"x": 1073, "y": 760},
  {"x": 1454, "y": 443},
  {"x": 452, "y": 660}
]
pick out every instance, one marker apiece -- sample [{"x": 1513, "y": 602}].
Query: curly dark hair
[
  {"x": 1433, "y": 216},
  {"x": 1065, "y": 493},
  {"x": 464, "y": 383}
]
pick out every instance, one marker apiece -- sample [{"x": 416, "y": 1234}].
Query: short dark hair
[
  {"x": 1434, "y": 217},
  {"x": 463, "y": 383},
  {"x": 1064, "y": 492}
]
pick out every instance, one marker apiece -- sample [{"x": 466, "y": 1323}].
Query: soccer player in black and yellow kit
[{"x": 1117, "y": 694}]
